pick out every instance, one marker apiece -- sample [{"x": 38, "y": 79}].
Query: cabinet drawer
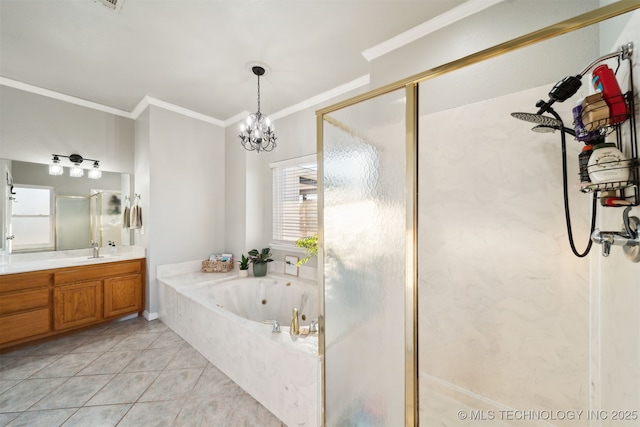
[
  {"x": 24, "y": 325},
  {"x": 22, "y": 281},
  {"x": 93, "y": 272},
  {"x": 20, "y": 301}
]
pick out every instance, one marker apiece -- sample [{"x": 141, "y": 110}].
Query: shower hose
[{"x": 566, "y": 195}]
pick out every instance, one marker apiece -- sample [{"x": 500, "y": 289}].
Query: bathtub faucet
[
  {"x": 295, "y": 323},
  {"x": 276, "y": 325}
]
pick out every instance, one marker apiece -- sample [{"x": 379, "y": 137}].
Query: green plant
[
  {"x": 311, "y": 245},
  {"x": 244, "y": 263},
  {"x": 260, "y": 257}
]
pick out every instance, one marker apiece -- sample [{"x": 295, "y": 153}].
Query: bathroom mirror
[{"x": 44, "y": 213}]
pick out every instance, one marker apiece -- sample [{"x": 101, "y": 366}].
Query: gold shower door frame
[{"x": 410, "y": 85}]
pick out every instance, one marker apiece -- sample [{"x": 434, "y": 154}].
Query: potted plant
[
  {"x": 311, "y": 245},
  {"x": 244, "y": 267},
  {"x": 259, "y": 261}
]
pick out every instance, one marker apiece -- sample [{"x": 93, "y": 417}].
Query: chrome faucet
[
  {"x": 295, "y": 323},
  {"x": 628, "y": 238},
  {"x": 313, "y": 327},
  {"x": 276, "y": 325},
  {"x": 96, "y": 249}
]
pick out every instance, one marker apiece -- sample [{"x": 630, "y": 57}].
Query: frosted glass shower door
[
  {"x": 364, "y": 177},
  {"x": 73, "y": 230}
]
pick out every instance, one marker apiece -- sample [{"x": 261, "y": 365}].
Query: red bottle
[{"x": 604, "y": 80}]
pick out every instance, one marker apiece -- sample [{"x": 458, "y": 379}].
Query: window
[
  {"x": 295, "y": 196},
  {"x": 32, "y": 219}
]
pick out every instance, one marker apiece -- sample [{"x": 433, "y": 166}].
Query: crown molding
[
  {"x": 325, "y": 96},
  {"x": 458, "y": 13},
  {"x": 146, "y": 101},
  {"x": 62, "y": 97}
]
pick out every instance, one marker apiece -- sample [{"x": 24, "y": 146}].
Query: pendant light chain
[{"x": 258, "y": 94}]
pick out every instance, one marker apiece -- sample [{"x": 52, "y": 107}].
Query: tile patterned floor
[{"x": 128, "y": 373}]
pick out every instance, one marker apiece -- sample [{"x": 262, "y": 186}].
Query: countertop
[{"x": 21, "y": 263}]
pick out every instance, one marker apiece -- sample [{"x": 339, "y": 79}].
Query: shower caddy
[
  {"x": 627, "y": 190},
  {"x": 621, "y": 193}
]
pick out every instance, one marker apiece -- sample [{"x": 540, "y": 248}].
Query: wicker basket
[{"x": 217, "y": 266}]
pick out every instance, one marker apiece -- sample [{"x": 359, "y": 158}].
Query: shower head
[
  {"x": 543, "y": 129},
  {"x": 539, "y": 119}
]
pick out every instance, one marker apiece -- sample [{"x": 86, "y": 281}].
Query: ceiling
[{"x": 197, "y": 54}]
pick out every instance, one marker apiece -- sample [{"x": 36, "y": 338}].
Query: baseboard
[{"x": 149, "y": 316}]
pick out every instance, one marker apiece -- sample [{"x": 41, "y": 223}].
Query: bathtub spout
[
  {"x": 276, "y": 325},
  {"x": 295, "y": 323}
]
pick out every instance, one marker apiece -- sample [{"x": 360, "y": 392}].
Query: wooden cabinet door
[
  {"x": 77, "y": 305},
  {"x": 122, "y": 295}
]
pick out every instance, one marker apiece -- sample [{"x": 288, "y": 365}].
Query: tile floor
[{"x": 128, "y": 373}]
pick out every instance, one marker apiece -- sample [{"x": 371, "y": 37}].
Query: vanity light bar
[{"x": 75, "y": 171}]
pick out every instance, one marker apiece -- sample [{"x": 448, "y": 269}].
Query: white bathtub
[{"x": 223, "y": 320}]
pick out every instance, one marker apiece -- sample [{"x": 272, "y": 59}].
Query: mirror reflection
[{"x": 41, "y": 212}]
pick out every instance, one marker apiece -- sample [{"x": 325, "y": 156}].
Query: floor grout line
[{"x": 117, "y": 333}]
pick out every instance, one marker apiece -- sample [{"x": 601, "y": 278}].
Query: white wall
[
  {"x": 184, "y": 200},
  {"x": 32, "y": 127}
]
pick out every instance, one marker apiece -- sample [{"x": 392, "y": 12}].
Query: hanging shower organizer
[{"x": 628, "y": 190}]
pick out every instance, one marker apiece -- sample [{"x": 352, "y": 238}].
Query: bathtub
[{"x": 223, "y": 320}]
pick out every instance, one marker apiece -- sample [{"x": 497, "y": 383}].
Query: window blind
[{"x": 295, "y": 207}]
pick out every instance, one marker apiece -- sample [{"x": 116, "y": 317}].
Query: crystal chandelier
[{"x": 258, "y": 133}]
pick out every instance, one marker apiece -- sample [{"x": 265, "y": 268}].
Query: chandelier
[{"x": 258, "y": 132}]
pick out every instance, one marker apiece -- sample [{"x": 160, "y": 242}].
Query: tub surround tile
[{"x": 98, "y": 416}]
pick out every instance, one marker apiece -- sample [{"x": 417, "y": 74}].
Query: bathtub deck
[{"x": 279, "y": 370}]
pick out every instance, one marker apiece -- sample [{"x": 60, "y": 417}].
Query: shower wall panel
[{"x": 503, "y": 303}]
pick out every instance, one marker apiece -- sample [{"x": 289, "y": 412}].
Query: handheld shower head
[{"x": 539, "y": 119}]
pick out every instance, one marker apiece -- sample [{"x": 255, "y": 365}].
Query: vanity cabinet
[
  {"x": 40, "y": 304},
  {"x": 25, "y": 306}
]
